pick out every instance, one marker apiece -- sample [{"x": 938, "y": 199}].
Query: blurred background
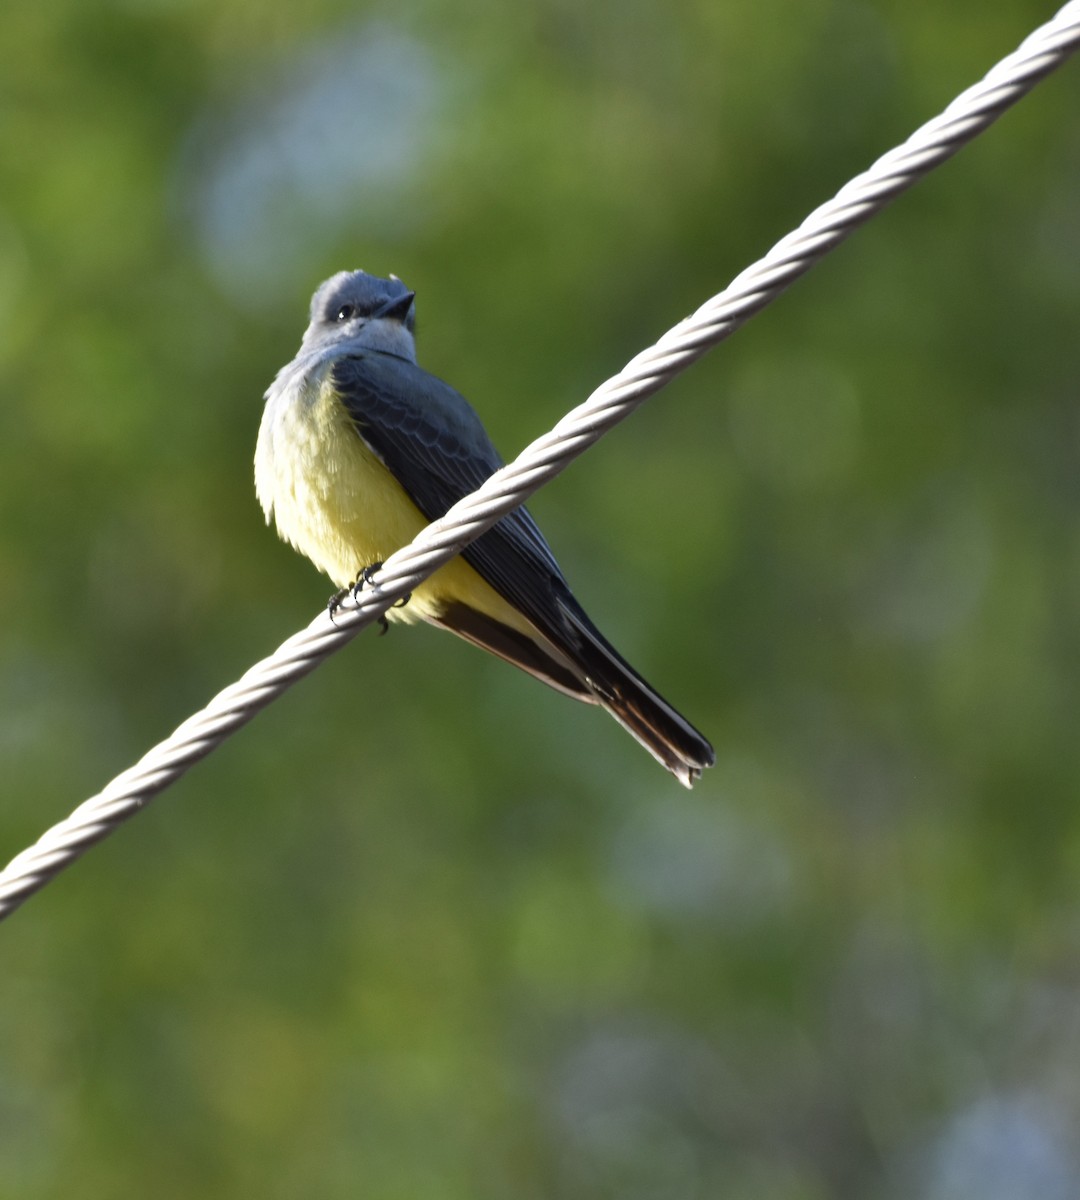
[{"x": 425, "y": 928}]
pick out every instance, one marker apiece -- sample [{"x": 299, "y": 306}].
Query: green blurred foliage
[{"x": 425, "y": 929}]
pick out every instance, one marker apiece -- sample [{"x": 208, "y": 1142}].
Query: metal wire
[{"x": 760, "y": 284}]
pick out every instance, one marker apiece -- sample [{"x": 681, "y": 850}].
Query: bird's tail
[
  {"x": 637, "y": 706},
  {"x": 574, "y": 657}
]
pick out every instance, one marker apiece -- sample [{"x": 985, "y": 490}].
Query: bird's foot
[
  {"x": 353, "y": 589},
  {"x": 334, "y": 603},
  {"x": 364, "y": 577}
]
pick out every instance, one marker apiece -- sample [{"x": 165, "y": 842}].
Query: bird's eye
[{"x": 345, "y": 312}]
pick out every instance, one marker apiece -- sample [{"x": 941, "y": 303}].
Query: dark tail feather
[
  {"x": 583, "y": 664},
  {"x": 640, "y": 709},
  {"x": 532, "y": 654}
]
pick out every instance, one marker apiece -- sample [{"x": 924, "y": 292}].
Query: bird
[{"x": 359, "y": 448}]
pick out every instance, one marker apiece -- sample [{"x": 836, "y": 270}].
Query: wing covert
[{"x": 434, "y": 444}]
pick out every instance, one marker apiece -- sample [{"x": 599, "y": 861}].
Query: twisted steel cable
[{"x": 865, "y": 195}]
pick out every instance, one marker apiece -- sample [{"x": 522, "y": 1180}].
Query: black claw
[
  {"x": 334, "y": 603},
  {"x": 364, "y": 577}
]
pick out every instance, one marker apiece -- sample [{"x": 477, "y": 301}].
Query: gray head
[{"x": 371, "y": 313}]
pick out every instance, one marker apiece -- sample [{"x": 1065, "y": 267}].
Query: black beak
[{"x": 398, "y": 308}]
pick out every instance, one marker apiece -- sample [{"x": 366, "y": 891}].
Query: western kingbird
[{"x": 359, "y": 448}]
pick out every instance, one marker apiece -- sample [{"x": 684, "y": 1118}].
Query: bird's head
[{"x": 375, "y": 314}]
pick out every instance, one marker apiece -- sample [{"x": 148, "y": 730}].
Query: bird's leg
[
  {"x": 364, "y": 577},
  {"x": 354, "y": 588},
  {"x": 334, "y": 603}
]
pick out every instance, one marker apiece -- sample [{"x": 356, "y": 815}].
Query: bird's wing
[{"x": 434, "y": 445}]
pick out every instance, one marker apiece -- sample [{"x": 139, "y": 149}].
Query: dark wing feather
[{"x": 433, "y": 443}]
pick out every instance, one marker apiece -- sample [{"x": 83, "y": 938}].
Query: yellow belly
[{"x": 335, "y": 502}]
